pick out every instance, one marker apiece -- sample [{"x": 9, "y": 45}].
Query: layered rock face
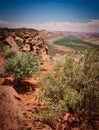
[{"x": 26, "y": 41}]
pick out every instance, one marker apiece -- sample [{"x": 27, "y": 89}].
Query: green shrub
[
  {"x": 73, "y": 87},
  {"x": 22, "y": 66},
  {"x": 11, "y": 52},
  {"x": 3, "y": 47}
]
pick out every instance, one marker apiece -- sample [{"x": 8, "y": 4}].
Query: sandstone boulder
[
  {"x": 12, "y": 110},
  {"x": 10, "y": 41},
  {"x": 19, "y": 39},
  {"x": 25, "y": 48}
]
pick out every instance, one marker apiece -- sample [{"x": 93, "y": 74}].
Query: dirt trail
[{"x": 59, "y": 47}]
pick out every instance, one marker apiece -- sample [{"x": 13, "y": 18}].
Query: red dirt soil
[{"x": 30, "y": 100}]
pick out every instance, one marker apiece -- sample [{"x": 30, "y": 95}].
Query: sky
[{"x": 53, "y": 15}]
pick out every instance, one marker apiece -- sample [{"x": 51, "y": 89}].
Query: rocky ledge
[{"x": 27, "y": 41}]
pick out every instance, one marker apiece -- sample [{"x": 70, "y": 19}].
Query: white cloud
[
  {"x": 91, "y": 26},
  {"x": 13, "y": 24}
]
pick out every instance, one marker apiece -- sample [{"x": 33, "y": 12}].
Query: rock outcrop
[
  {"x": 19, "y": 39},
  {"x": 10, "y": 41},
  {"x": 12, "y": 110},
  {"x": 27, "y": 41},
  {"x": 34, "y": 43}
]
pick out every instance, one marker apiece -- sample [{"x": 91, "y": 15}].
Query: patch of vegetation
[
  {"x": 17, "y": 31},
  {"x": 18, "y": 43},
  {"x": 73, "y": 42},
  {"x": 22, "y": 66},
  {"x": 72, "y": 88},
  {"x": 3, "y": 47},
  {"x": 11, "y": 52},
  {"x": 52, "y": 51}
]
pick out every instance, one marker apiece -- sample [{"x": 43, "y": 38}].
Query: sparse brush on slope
[{"x": 73, "y": 87}]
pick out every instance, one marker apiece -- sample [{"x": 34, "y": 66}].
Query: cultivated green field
[{"x": 74, "y": 43}]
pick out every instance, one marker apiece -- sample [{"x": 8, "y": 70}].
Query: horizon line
[{"x": 90, "y": 26}]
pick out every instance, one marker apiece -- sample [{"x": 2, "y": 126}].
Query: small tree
[{"x": 22, "y": 66}]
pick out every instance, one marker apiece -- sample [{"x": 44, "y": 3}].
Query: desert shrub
[
  {"x": 10, "y": 52},
  {"x": 83, "y": 71},
  {"x": 40, "y": 59},
  {"x": 22, "y": 66},
  {"x": 73, "y": 87},
  {"x": 3, "y": 47},
  {"x": 18, "y": 43}
]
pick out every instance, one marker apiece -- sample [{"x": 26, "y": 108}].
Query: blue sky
[
  {"x": 40, "y": 11},
  {"x": 47, "y": 11}
]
